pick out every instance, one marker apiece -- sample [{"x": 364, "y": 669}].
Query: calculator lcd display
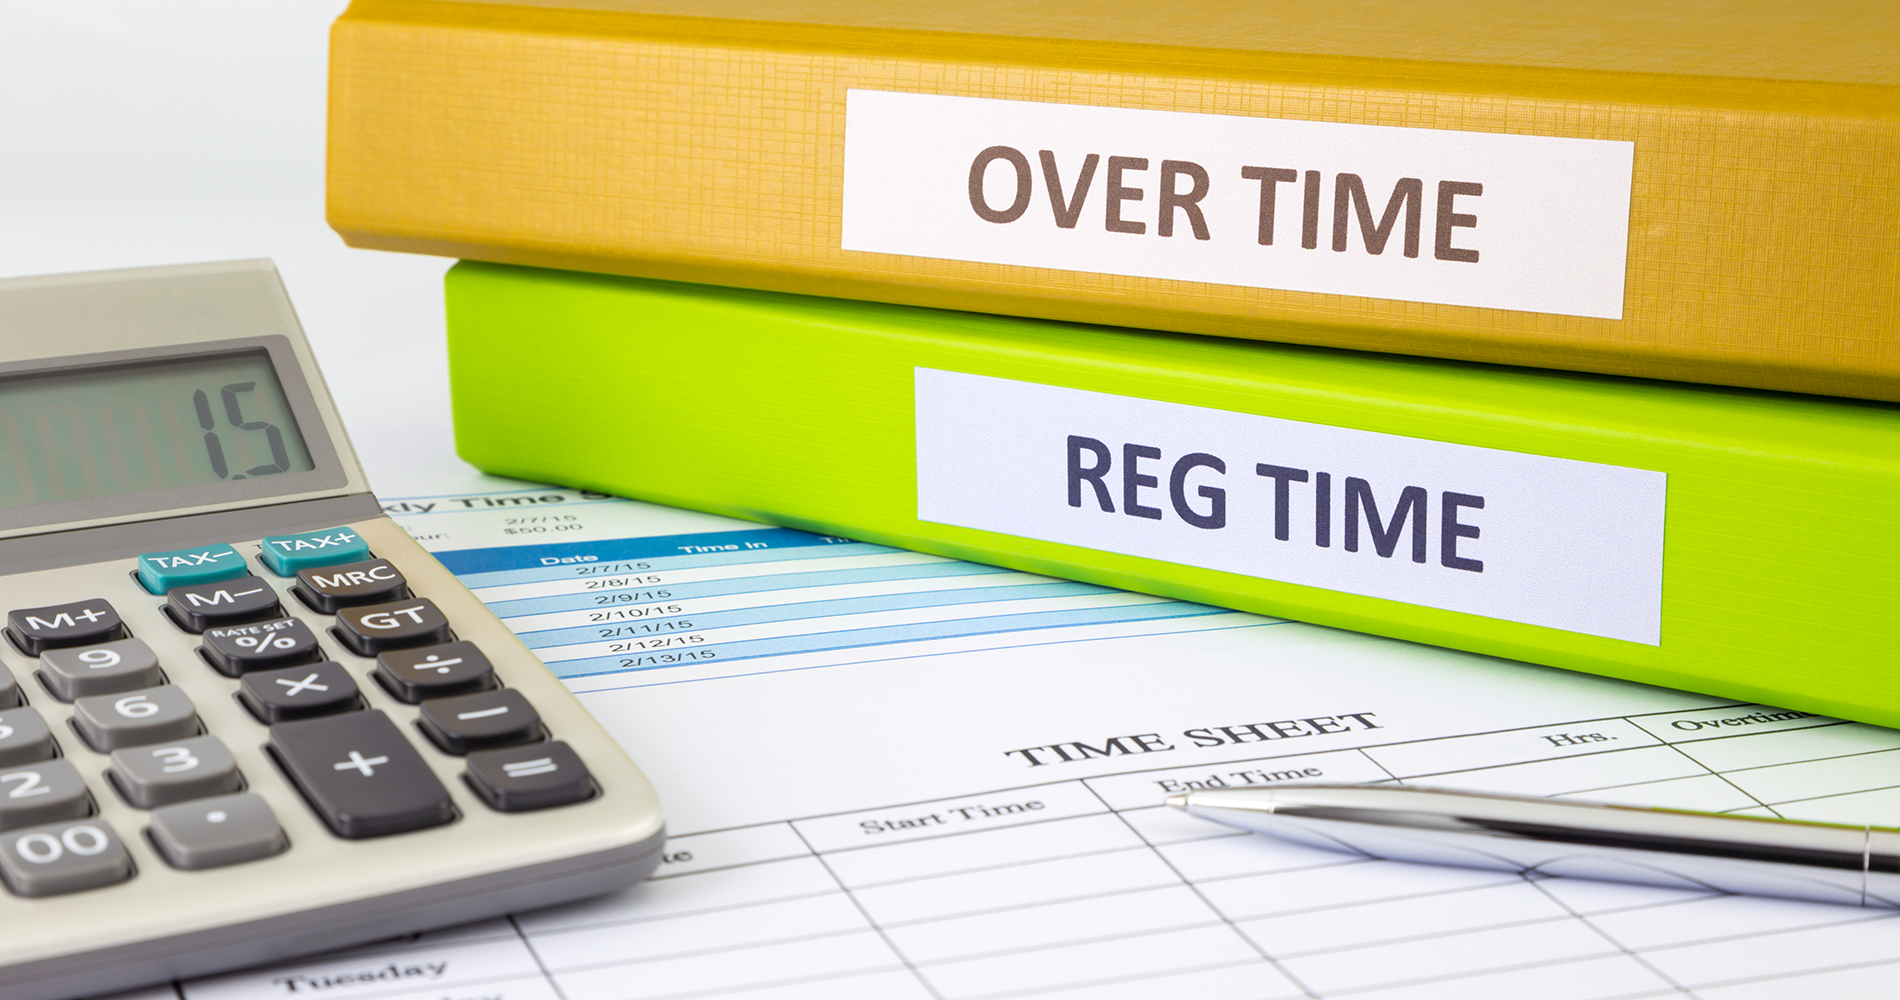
[{"x": 130, "y": 428}]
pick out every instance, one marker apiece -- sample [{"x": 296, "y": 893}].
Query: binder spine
[
  {"x": 1777, "y": 560},
  {"x": 713, "y": 151}
]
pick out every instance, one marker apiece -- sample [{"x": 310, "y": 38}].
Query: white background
[{"x": 135, "y": 133}]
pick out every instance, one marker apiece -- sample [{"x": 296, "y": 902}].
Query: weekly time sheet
[{"x": 891, "y": 775}]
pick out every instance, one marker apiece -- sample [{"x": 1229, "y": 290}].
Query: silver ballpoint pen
[{"x": 1825, "y": 862}]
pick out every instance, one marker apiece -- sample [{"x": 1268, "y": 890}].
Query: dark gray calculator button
[
  {"x": 136, "y": 718},
  {"x": 24, "y": 737},
  {"x": 415, "y": 675},
  {"x": 9, "y": 689},
  {"x": 360, "y": 775},
  {"x": 159, "y": 775},
  {"x": 371, "y": 581},
  {"x": 62, "y": 857},
  {"x": 231, "y": 602},
  {"x": 280, "y": 642},
  {"x": 299, "y": 692},
  {"x": 42, "y": 793},
  {"x": 478, "y": 721},
  {"x": 374, "y": 628},
  {"x": 532, "y": 777},
  {"x": 212, "y": 833},
  {"x": 81, "y": 623},
  {"x": 76, "y": 672}
]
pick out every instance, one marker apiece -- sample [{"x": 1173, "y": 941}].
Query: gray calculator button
[
  {"x": 532, "y": 777},
  {"x": 360, "y": 774},
  {"x": 9, "y": 689},
  {"x": 165, "y": 773},
  {"x": 481, "y": 721},
  {"x": 415, "y": 675},
  {"x": 135, "y": 718},
  {"x": 231, "y": 602},
  {"x": 299, "y": 692},
  {"x": 237, "y": 649},
  {"x": 372, "y": 581},
  {"x": 42, "y": 793},
  {"x": 374, "y": 628},
  {"x": 62, "y": 857},
  {"x": 81, "y": 623},
  {"x": 211, "y": 833},
  {"x": 24, "y": 737},
  {"x": 125, "y": 665}
]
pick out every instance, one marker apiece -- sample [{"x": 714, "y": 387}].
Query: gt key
[{"x": 374, "y": 628}]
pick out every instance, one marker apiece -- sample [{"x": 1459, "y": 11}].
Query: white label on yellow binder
[
  {"x": 1526, "y": 538},
  {"x": 1524, "y": 222}
]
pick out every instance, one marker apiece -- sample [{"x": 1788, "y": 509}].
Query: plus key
[{"x": 360, "y": 774}]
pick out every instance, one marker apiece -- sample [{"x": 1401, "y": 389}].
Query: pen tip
[{"x": 1178, "y": 801}]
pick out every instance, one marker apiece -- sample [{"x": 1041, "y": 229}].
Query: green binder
[{"x": 1740, "y": 543}]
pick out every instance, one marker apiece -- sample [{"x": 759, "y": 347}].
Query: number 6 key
[{"x": 111, "y": 721}]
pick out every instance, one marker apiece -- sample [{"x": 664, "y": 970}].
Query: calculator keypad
[
  {"x": 62, "y": 857},
  {"x": 239, "y": 649},
  {"x": 375, "y": 628},
  {"x": 42, "y": 793},
  {"x": 153, "y": 776},
  {"x": 81, "y": 623},
  {"x": 360, "y": 774},
  {"x": 299, "y": 692},
  {"x": 77, "y": 672},
  {"x": 150, "y": 715},
  {"x": 212, "y": 833},
  {"x": 233, "y": 602}
]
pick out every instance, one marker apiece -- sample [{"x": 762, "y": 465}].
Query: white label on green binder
[
  {"x": 1526, "y": 538},
  {"x": 1504, "y": 221}
]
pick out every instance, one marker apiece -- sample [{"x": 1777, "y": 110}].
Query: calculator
[{"x": 243, "y": 715}]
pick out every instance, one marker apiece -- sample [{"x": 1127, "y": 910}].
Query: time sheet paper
[{"x": 893, "y": 775}]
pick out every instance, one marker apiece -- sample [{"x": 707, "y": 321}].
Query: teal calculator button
[
  {"x": 286, "y": 554},
  {"x": 161, "y": 571}
]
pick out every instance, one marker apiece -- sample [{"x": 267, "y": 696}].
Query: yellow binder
[{"x": 1759, "y": 166}]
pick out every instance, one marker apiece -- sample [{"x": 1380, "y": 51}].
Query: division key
[{"x": 360, "y": 774}]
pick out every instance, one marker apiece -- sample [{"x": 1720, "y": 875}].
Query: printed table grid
[
  {"x": 1088, "y": 887},
  {"x": 687, "y": 606}
]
